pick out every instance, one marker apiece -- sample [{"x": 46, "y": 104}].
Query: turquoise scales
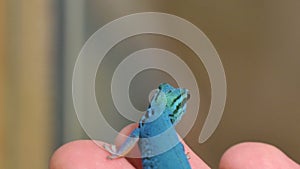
[{"x": 156, "y": 135}]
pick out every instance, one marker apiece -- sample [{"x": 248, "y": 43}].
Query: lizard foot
[{"x": 112, "y": 150}]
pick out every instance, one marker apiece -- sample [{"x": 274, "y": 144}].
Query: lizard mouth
[{"x": 188, "y": 96}]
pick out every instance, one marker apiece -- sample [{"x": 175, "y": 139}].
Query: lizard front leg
[{"x": 125, "y": 147}]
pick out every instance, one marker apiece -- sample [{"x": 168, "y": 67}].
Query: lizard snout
[{"x": 188, "y": 95}]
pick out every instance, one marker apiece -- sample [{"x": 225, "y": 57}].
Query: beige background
[
  {"x": 258, "y": 43},
  {"x": 26, "y": 89}
]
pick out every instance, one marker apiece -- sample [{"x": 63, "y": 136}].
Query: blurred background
[{"x": 258, "y": 43}]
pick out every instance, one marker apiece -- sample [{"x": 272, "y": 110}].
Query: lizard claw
[
  {"x": 113, "y": 156},
  {"x": 112, "y": 150},
  {"x": 188, "y": 155}
]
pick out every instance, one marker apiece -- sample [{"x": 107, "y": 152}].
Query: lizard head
[{"x": 176, "y": 100}]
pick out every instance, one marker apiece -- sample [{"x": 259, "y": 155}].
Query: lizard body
[{"x": 157, "y": 138}]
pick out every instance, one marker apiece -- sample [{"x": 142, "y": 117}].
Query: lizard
[{"x": 156, "y": 135}]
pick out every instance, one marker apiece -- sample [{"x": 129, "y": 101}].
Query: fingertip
[
  {"x": 124, "y": 133},
  {"x": 255, "y": 155}
]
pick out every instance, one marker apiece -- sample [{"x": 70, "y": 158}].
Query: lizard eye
[{"x": 169, "y": 91}]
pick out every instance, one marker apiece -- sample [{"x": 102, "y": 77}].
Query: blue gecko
[{"x": 156, "y": 135}]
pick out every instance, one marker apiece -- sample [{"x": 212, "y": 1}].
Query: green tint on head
[{"x": 176, "y": 101}]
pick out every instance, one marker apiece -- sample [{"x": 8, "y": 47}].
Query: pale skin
[{"x": 86, "y": 154}]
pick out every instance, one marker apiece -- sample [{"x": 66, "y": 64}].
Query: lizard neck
[{"x": 157, "y": 126}]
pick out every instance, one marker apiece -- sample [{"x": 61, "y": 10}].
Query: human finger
[
  {"x": 85, "y": 154},
  {"x": 253, "y": 155}
]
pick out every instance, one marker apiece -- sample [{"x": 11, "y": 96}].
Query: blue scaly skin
[{"x": 157, "y": 138}]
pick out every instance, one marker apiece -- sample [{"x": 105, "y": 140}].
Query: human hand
[{"x": 86, "y": 154}]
